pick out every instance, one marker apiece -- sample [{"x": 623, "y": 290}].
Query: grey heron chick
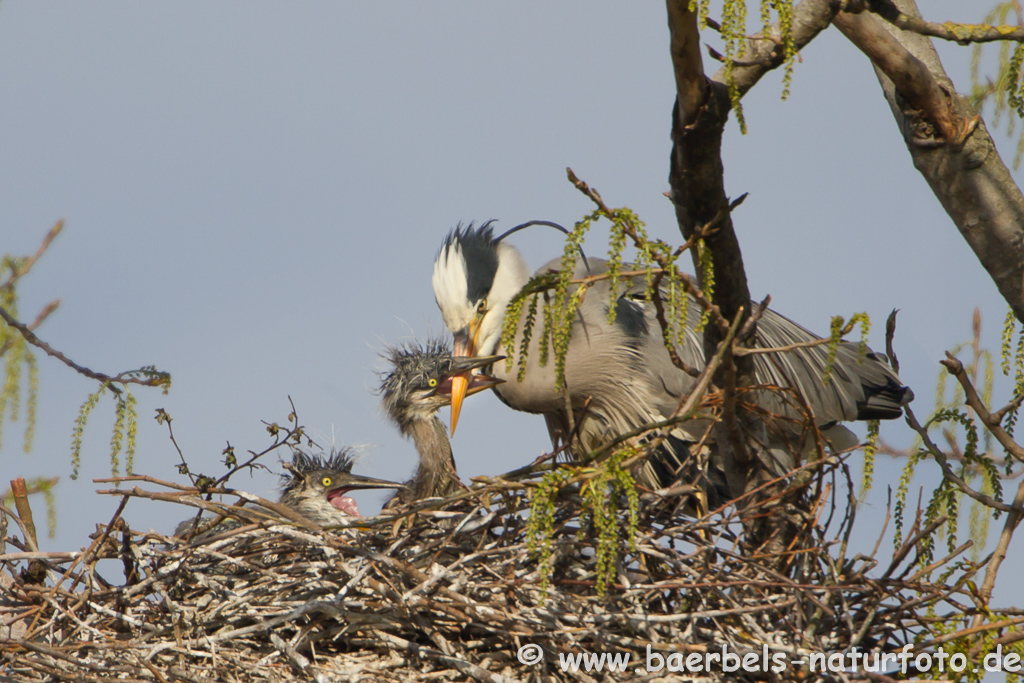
[
  {"x": 619, "y": 374},
  {"x": 317, "y": 486},
  {"x": 418, "y": 385}
]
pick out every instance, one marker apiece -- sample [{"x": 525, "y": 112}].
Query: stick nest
[{"x": 449, "y": 590}]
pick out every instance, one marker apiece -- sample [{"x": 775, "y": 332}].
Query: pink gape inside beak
[{"x": 344, "y": 503}]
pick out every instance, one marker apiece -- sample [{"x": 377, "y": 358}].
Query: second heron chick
[
  {"x": 317, "y": 486},
  {"x": 417, "y": 387}
]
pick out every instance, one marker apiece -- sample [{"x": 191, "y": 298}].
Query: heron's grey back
[{"x": 625, "y": 376}]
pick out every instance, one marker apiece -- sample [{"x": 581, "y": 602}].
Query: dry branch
[
  {"x": 964, "y": 34},
  {"x": 124, "y": 378},
  {"x": 26, "y": 266}
]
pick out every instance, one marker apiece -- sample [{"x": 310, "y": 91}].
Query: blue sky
[{"x": 254, "y": 195}]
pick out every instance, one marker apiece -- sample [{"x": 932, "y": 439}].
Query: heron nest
[{"x": 453, "y": 590}]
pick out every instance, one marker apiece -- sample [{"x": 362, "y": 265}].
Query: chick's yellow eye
[
  {"x": 326, "y": 481},
  {"x": 432, "y": 382}
]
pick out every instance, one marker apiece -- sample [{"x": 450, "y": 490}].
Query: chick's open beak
[
  {"x": 353, "y": 482},
  {"x": 478, "y": 383},
  {"x": 337, "y": 497}
]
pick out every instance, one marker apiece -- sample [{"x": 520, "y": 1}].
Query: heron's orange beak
[
  {"x": 460, "y": 383},
  {"x": 464, "y": 346},
  {"x": 475, "y": 383}
]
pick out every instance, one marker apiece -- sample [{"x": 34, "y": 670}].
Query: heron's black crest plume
[
  {"x": 549, "y": 224},
  {"x": 479, "y": 248},
  {"x": 480, "y": 252}
]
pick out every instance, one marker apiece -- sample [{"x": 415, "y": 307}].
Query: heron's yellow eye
[
  {"x": 432, "y": 382},
  {"x": 481, "y": 307},
  {"x": 326, "y": 481}
]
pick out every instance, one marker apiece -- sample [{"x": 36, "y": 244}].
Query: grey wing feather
[
  {"x": 858, "y": 388},
  {"x": 625, "y": 376}
]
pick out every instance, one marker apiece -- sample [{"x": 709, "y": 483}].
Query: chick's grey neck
[{"x": 435, "y": 474}]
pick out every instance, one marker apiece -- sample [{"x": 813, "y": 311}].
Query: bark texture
[{"x": 959, "y": 160}]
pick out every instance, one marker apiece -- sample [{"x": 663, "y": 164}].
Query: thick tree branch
[
  {"x": 691, "y": 85},
  {"x": 697, "y": 174},
  {"x": 810, "y": 18},
  {"x": 964, "y": 171},
  {"x": 702, "y": 109},
  {"x": 698, "y": 193},
  {"x": 911, "y": 78}
]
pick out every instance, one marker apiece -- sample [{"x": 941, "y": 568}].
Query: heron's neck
[{"x": 436, "y": 475}]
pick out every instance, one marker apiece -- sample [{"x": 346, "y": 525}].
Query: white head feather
[{"x": 495, "y": 289}]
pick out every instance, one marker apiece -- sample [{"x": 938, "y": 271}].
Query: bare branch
[
  {"x": 999, "y": 554},
  {"x": 964, "y": 34},
  {"x": 20, "y": 492},
  {"x": 956, "y": 368},
  {"x": 744, "y": 351},
  {"x": 666, "y": 334},
  {"x": 890, "y": 333},
  {"x": 43, "y": 315},
  {"x": 31, "y": 260},
  {"x": 124, "y": 378}
]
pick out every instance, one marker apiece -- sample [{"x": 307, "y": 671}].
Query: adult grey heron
[
  {"x": 619, "y": 375},
  {"x": 417, "y": 387}
]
